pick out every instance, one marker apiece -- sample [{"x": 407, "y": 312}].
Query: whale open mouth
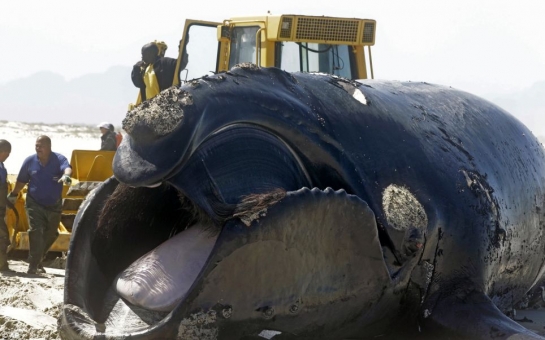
[
  {"x": 154, "y": 256},
  {"x": 148, "y": 248},
  {"x": 154, "y": 266}
]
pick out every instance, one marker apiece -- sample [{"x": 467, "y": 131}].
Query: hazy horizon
[{"x": 105, "y": 96}]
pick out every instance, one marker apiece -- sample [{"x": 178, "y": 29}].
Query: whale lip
[
  {"x": 92, "y": 306},
  {"x": 154, "y": 185},
  {"x": 121, "y": 316}
]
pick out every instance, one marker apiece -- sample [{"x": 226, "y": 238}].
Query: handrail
[{"x": 258, "y": 46}]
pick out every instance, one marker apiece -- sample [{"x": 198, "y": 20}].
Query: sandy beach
[{"x": 30, "y": 305}]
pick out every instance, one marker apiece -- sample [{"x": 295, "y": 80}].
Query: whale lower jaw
[{"x": 159, "y": 280}]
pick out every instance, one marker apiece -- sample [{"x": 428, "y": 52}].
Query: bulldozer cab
[{"x": 339, "y": 46}]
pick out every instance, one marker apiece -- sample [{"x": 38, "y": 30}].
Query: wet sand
[{"x": 533, "y": 319}]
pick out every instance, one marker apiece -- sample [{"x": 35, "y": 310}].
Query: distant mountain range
[{"x": 48, "y": 98}]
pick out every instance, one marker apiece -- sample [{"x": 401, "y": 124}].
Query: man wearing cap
[
  {"x": 118, "y": 135},
  {"x": 45, "y": 172},
  {"x": 108, "y": 138}
]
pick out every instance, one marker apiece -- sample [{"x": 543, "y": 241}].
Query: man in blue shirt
[
  {"x": 45, "y": 172},
  {"x": 5, "y": 150}
]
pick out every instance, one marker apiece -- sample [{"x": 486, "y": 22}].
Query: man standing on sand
[
  {"x": 5, "y": 150},
  {"x": 45, "y": 172}
]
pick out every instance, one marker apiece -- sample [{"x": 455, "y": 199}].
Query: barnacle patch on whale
[
  {"x": 402, "y": 208},
  {"x": 200, "y": 325},
  {"x": 159, "y": 116}
]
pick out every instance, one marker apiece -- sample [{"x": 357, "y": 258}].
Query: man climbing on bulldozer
[{"x": 154, "y": 72}]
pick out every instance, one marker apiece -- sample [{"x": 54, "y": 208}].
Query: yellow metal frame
[
  {"x": 318, "y": 28},
  {"x": 90, "y": 165},
  {"x": 181, "y": 47},
  {"x": 270, "y": 31},
  {"x": 265, "y": 48}
]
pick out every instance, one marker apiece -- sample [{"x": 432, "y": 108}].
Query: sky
[{"x": 481, "y": 46}]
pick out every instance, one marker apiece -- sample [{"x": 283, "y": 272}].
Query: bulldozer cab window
[
  {"x": 202, "y": 47},
  {"x": 313, "y": 57},
  {"x": 243, "y": 49}
]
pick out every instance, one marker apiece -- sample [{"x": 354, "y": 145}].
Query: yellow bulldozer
[
  {"x": 294, "y": 43},
  {"x": 290, "y": 42}
]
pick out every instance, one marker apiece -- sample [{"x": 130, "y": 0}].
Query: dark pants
[
  {"x": 4, "y": 234},
  {"x": 43, "y": 228}
]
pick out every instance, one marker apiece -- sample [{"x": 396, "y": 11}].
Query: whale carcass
[{"x": 259, "y": 203}]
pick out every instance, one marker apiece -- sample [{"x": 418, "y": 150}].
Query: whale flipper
[{"x": 475, "y": 316}]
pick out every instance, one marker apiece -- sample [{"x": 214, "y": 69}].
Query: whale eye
[{"x": 402, "y": 209}]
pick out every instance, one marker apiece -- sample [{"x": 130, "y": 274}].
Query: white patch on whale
[
  {"x": 268, "y": 334},
  {"x": 402, "y": 208},
  {"x": 354, "y": 91},
  {"x": 160, "y": 279},
  {"x": 359, "y": 96}
]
